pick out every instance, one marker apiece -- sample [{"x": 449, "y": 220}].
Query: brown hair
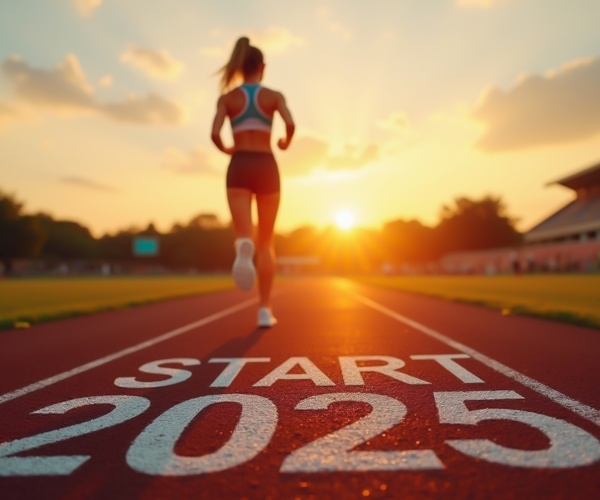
[{"x": 245, "y": 58}]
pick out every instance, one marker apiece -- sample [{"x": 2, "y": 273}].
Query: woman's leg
[
  {"x": 267, "y": 205},
  {"x": 243, "y": 270},
  {"x": 240, "y": 205}
]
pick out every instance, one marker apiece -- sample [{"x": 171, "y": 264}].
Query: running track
[{"x": 357, "y": 392}]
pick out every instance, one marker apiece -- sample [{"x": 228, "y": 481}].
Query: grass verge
[
  {"x": 25, "y": 302},
  {"x": 573, "y": 299}
]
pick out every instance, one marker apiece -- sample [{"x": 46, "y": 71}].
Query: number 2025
[{"x": 152, "y": 452}]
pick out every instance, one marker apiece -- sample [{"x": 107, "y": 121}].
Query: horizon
[
  {"x": 343, "y": 222},
  {"x": 398, "y": 112}
]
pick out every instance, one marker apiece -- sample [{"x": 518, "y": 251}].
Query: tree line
[{"x": 205, "y": 244}]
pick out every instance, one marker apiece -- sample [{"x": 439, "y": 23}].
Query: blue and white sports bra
[{"x": 251, "y": 117}]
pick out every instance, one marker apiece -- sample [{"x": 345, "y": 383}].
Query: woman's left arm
[{"x": 218, "y": 124}]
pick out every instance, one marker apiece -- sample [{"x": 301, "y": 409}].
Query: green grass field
[
  {"x": 569, "y": 298},
  {"x": 38, "y": 300},
  {"x": 572, "y": 299}
]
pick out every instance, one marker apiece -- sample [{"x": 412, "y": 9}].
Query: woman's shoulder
[{"x": 233, "y": 92}]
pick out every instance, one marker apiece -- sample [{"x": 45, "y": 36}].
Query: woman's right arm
[
  {"x": 218, "y": 124},
  {"x": 290, "y": 127}
]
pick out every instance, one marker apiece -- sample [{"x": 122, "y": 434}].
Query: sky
[{"x": 401, "y": 106}]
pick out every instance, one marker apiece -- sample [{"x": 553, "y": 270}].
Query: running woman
[{"x": 252, "y": 171}]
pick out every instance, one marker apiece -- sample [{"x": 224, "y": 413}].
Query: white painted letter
[
  {"x": 311, "y": 372},
  {"x": 233, "y": 369},
  {"x": 176, "y": 375},
  {"x": 352, "y": 376},
  {"x": 446, "y": 360}
]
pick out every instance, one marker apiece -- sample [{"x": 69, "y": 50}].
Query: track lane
[
  {"x": 562, "y": 356},
  {"x": 319, "y": 320},
  {"x": 55, "y": 347}
]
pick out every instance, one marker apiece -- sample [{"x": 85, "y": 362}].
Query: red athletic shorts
[{"x": 253, "y": 170}]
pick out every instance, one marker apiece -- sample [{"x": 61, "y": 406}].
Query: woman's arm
[
  {"x": 290, "y": 127},
  {"x": 218, "y": 124}
]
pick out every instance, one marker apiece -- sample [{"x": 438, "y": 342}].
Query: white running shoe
[
  {"x": 266, "y": 318},
  {"x": 243, "y": 270}
]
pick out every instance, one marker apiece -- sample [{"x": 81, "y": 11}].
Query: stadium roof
[
  {"x": 582, "y": 179},
  {"x": 579, "y": 216}
]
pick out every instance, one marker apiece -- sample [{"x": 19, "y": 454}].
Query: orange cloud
[
  {"x": 155, "y": 63},
  {"x": 276, "y": 39},
  {"x": 65, "y": 88},
  {"x": 396, "y": 121},
  {"x": 7, "y": 112},
  {"x": 199, "y": 161},
  {"x": 334, "y": 27},
  {"x": 151, "y": 109},
  {"x": 485, "y": 4},
  {"x": 558, "y": 107},
  {"x": 308, "y": 153},
  {"x": 87, "y": 7},
  {"x": 273, "y": 40},
  {"x": 85, "y": 183},
  {"x": 106, "y": 81}
]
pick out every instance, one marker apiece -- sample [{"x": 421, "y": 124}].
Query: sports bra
[{"x": 251, "y": 117}]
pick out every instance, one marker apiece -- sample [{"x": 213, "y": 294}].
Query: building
[
  {"x": 566, "y": 241},
  {"x": 579, "y": 220}
]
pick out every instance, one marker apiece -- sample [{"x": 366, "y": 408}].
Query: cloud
[
  {"x": 7, "y": 112},
  {"x": 323, "y": 12},
  {"x": 87, "y": 7},
  {"x": 305, "y": 154},
  {"x": 213, "y": 52},
  {"x": 340, "y": 31},
  {"x": 106, "y": 81},
  {"x": 276, "y": 40},
  {"x": 559, "y": 107},
  {"x": 334, "y": 27},
  {"x": 149, "y": 110},
  {"x": 65, "y": 88},
  {"x": 482, "y": 4},
  {"x": 396, "y": 122},
  {"x": 82, "y": 182},
  {"x": 308, "y": 153},
  {"x": 199, "y": 161},
  {"x": 273, "y": 40},
  {"x": 155, "y": 63},
  {"x": 353, "y": 157}
]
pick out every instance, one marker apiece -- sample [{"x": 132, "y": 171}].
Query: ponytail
[
  {"x": 236, "y": 62},
  {"x": 244, "y": 59}
]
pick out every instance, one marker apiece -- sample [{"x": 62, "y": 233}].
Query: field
[
  {"x": 25, "y": 301},
  {"x": 572, "y": 299}
]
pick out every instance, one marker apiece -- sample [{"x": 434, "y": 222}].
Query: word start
[{"x": 299, "y": 368}]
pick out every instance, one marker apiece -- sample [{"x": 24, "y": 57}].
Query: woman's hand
[{"x": 289, "y": 122}]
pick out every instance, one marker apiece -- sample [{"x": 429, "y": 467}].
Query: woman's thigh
[{"x": 240, "y": 205}]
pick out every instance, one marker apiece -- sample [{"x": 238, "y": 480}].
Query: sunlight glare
[{"x": 345, "y": 220}]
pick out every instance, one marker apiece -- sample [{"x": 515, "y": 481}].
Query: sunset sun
[{"x": 345, "y": 220}]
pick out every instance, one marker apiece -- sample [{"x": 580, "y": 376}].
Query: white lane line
[
  {"x": 129, "y": 350},
  {"x": 581, "y": 409}
]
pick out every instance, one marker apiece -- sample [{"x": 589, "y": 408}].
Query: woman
[{"x": 252, "y": 170}]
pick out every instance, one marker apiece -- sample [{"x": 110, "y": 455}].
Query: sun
[{"x": 345, "y": 220}]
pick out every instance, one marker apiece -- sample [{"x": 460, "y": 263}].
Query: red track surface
[{"x": 545, "y": 423}]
